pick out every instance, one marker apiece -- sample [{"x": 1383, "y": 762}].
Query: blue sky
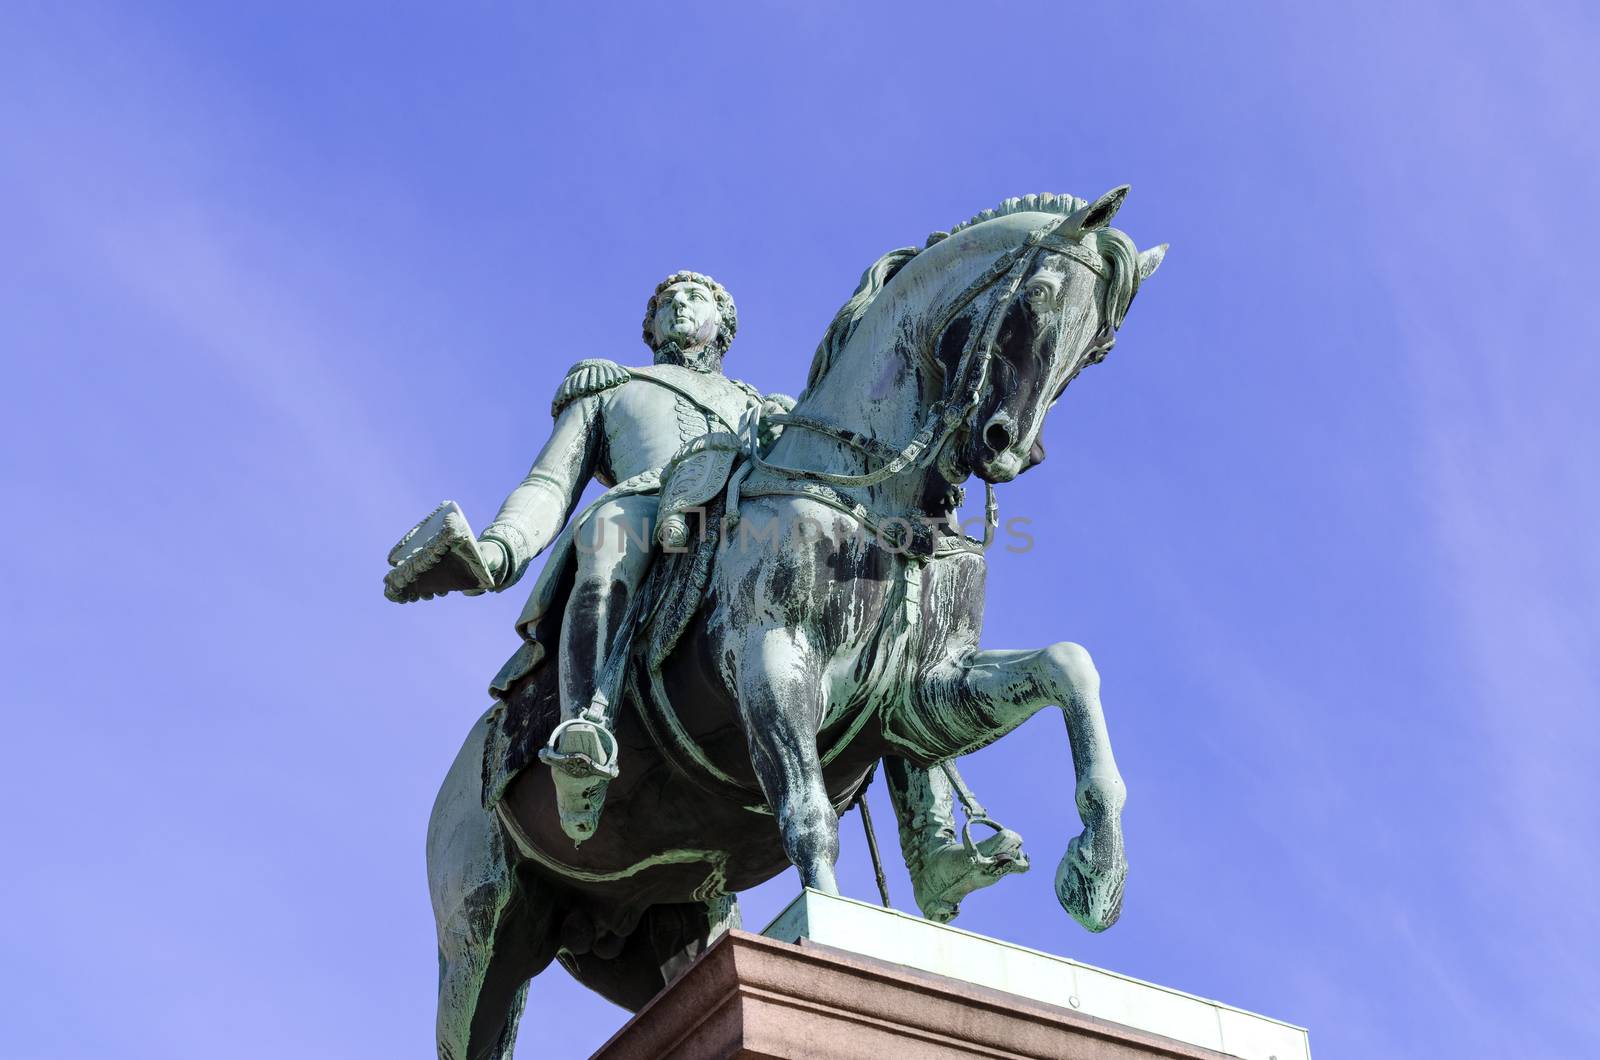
[{"x": 278, "y": 278}]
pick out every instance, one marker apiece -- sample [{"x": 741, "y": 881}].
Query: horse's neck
[
  {"x": 880, "y": 388},
  {"x": 884, "y": 380}
]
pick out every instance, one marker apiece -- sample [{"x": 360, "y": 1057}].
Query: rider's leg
[
  {"x": 780, "y": 703},
  {"x": 977, "y": 698},
  {"x": 613, "y": 553},
  {"x": 943, "y": 871}
]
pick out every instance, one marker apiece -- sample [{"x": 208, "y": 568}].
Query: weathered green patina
[{"x": 816, "y": 610}]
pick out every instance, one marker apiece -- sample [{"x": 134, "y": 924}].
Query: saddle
[
  {"x": 528, "y": 704},
  {"x": 695, "y": 487}
]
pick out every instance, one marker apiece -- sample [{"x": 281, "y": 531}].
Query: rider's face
[{"x": 686, "y": 313}]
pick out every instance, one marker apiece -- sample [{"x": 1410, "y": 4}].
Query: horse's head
[
  {"x": 1046, "y": 308},
  {"x": 985, "y": 326}
]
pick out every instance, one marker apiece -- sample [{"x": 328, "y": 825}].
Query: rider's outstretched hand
[{"x": 440, "y": 555}]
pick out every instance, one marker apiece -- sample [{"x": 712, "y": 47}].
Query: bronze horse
[{"x": 839, "y": 624}]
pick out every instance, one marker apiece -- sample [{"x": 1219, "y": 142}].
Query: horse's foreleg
[
  {"x": 780, "y": 702},
  {"x": 978, "y": 698}
]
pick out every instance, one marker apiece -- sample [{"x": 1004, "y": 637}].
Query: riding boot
[
  {"x": 582, "y": 750},
  {"x": 943, "y": 868},
  {"x": 582, "y": 756}
]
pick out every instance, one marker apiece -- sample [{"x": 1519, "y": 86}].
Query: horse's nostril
[{"x": 997, "y": 437}]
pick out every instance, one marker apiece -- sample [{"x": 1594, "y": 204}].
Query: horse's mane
[
  {"x": 873, "y": 281},
  {"x": 1120, "y": 254},
  {"x": 1046, "y": 203}
]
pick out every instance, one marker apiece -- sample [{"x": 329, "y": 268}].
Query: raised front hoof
[
  {"x": 950, "y": 873},
  {"x": 1090, "y": 877}
]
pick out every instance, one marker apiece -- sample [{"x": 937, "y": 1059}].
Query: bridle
[{"x": 962, "y": 397}]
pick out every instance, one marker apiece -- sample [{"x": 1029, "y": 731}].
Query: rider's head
[{"x": 690, "y": 318}]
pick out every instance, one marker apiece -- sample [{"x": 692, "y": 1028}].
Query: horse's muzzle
[{"x": 997, "y": 459}]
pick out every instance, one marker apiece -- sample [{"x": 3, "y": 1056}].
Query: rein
[
  {"x": 891, "y": 641},
  {"x": 946, "y": 415}
]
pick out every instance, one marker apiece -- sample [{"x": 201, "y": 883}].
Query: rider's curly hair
[{"x": 726, "y": 311}]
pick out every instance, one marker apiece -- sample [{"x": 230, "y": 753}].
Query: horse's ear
[
  {"x": 1099, "y": 213},
  {"x": 1150, "y": 260}
]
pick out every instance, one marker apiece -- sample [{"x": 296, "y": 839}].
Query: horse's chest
[
  {"x": 905, "y": 616},
  {"x": 854, "y": 586},
  {"x": 949, "y": 606}
]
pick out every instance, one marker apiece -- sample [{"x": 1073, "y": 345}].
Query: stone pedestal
[{"x": 834, "y": 979}]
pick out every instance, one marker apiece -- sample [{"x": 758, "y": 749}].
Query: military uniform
[
  {"x": 629, "y": 428},
  {"x": 621, "y": 426}
]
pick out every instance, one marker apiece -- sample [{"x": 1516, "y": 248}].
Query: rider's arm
[
  {"x": 538, "y": 508},
  {"x": 770, "y": 405}
]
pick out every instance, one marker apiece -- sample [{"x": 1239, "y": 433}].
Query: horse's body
[{"x": 819, "y": 648}]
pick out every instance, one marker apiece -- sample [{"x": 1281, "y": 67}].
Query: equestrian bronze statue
[{"x": 771, "y": 598}]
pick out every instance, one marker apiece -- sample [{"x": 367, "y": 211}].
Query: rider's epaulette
[
  {"x": 585, "y": 378},
  {"x": 751, "y": 392}
]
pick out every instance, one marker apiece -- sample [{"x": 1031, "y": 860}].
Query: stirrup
[
  {"x": 582, "y": 764},
  {"x": 979, "y": 858},
  {"x": 1004, "y": 857},
  {"x": 580, "y": 778}
]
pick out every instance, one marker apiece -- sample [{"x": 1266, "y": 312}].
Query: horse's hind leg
[
  {"x": 666, "y": 941},
  {"x": 977, "y": 698},
  {"x": 494, "y": 930},
  {"x": 482, "y": 987},
  {"x": 690, "y": 931}
]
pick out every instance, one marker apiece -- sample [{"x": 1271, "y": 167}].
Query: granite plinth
[{"x": 833, "y": 979}]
